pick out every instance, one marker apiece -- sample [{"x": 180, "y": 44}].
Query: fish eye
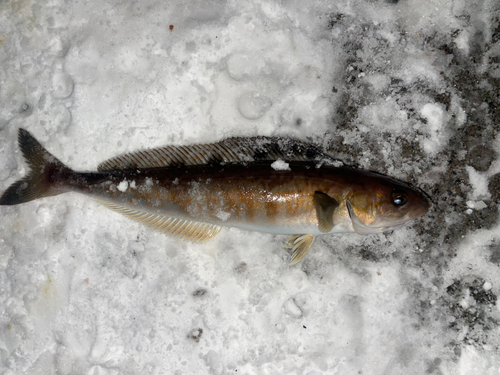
[{"x": 399, "y": 197}]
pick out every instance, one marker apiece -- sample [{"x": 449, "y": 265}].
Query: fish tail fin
[{"x": 44, "y": 169}]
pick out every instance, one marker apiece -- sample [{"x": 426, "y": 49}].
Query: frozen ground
[{"x": 409, "y": 89}]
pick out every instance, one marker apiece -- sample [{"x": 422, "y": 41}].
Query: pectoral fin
[
  {"x": 325, "y": 206},
  {"x": 300, "y": 244}
]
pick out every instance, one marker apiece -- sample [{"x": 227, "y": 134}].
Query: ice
[{"x": 408, "y": 89}]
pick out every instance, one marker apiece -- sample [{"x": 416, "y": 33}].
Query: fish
[{"x": 264, "y": 184}]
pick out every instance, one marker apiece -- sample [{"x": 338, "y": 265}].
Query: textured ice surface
[{"x": 408, "y": 89}]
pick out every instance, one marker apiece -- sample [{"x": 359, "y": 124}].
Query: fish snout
[{"x": 422, "y": 207}]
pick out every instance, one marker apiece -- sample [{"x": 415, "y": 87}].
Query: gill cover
[{"x": 358, "y": 225}]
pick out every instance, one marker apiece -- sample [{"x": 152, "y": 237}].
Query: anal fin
[
  {"x": 300, "y": 245},
  {"x": 186, "y": 229}
]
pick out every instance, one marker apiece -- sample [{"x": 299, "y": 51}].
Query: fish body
[{"x": 193, "y": 191}]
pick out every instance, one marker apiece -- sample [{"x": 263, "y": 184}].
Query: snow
[
  {"x": 123, "y": 186},
  {"x": 434, "y": 114},
  {"x": 224, "y": 216},
  {"x": 280, "y": 165},
  {"x": 479, "y": 182},
  {"x": 408, "y": 89},
  {"x": 477, "y": 205}
]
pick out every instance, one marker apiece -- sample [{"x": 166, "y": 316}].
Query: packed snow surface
[{"x": 408, "y": 89}]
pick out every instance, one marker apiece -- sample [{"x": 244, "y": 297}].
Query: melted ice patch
[{"x": 253, "y": 105}]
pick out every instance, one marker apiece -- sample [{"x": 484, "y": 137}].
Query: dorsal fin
[{"x": 231, "y": 150}]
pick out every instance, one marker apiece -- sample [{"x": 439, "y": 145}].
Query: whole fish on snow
[{"x": 193, "y": 191}]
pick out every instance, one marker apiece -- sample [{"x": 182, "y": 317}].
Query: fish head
[{"x": 383, "y": 204}]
